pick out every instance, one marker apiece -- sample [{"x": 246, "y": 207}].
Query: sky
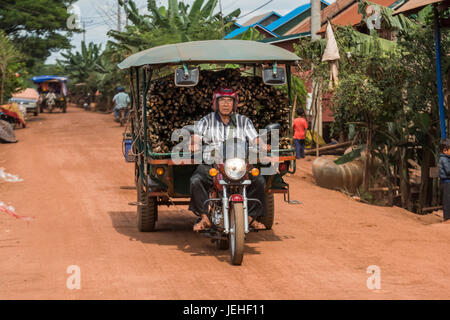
[{"x": 101, "y": 15}]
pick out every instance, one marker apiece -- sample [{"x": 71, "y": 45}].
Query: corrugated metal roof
[
  {"x": 260, "y": 18},
  {"x": 276, "y": 24},
  {"x": 326, "y": 13},
  {"x": 211, "y": 51},
  {"x": 237, "y": 32},
  {"x": 415, "y": 5},
  {"x": 285, "y": 38},
  {"x": 258, "y": 26},
  {"x": 291, "y": 15}
]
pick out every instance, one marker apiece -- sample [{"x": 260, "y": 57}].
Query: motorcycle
[{"x": 228, "y": 202}]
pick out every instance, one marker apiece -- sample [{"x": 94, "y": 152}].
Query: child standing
[
  {"x": 444, "y": 177},
  {"x": 300, "y": 127}
]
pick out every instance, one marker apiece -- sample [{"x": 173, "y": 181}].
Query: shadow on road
[{"x": 175, "y": 229}]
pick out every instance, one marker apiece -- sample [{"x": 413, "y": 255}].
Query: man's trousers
[{"x": 202, "y": 182}]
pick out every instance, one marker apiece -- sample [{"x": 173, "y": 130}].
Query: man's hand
[
  {"x": 262, "y": 145},
  {"x": 195, "y": 144}
]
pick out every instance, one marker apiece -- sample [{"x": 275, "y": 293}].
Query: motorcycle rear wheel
[
  {"x": 237, "y": 234},
  {"x": 268, "y": 219}
]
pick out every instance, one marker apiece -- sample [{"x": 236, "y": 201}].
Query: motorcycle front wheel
[{"x": 237, "y": 233}]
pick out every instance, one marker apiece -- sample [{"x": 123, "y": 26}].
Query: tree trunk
[
  {"x": 425, "y": 185},
  {"x": 2, "y": 93},
  {"x": 404, "y": 179},
  {"x": 390, "y": 187},
  {"x": 366, "y": 178}
]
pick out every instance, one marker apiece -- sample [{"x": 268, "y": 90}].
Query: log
[
  {"x": 384, "y": 189},
  {"x": 171, "y": 107},
  {"x": 432, "y": 208},
  {"x": 332, "y": 147}
]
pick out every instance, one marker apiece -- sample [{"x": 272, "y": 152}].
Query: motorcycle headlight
[{"x": 235, "y": 168}]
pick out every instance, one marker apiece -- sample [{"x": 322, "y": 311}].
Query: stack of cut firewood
[{"x": 170, "y": 107}]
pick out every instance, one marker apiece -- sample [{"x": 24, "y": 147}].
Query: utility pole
[
  {"x": 221, "y": 17},
  {"x": 317, "y": 93},
  {"x": 126, "y": 13},
  {"x": 118, "y": 15},
  {"x": 84, "y": 31},
  {"x": 315, "y": 19}
]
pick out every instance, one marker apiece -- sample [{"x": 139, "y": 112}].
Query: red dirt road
[{"x": 73, "y": 168}]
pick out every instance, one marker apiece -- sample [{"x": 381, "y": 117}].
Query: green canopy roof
[{"x": 211, "y": 51}]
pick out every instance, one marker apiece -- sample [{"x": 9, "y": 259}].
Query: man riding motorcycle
[
  {"x": 216, "y": 128},
  {"x": 121, "y": 100}
]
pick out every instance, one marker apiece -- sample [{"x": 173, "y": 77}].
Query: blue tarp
[{"x": 41, "y": 79}]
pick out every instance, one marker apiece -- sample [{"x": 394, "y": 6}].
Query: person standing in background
[
  {"x": 300, "y": 127},
  {"x": 444, "y": 177}
]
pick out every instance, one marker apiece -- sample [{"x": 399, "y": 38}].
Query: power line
[{"x": 260, "y": 7}]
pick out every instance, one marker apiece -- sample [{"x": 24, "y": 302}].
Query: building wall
[{"x": 288, "y": 45}]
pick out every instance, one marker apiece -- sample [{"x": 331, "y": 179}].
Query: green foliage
[
  {"x": 394, "y": 87},
  {"x": 178, "y": 22},
  {"x": 299, "y": 90},
  {"x": 36, "y": 27},
  {"x": 388, "y": 21},
  {"x": 79, "y": 65},
  {"x": 92, "y": 70},
  {"x": 311, "y": 53},
  {"x": 360, "y": 44},
  {"x": 9, "y": 66},
  {"x": 357, "y": 93},
  {"x": 250, "y": 34}
]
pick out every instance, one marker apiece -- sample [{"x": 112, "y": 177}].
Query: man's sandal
[{"x": 257, "y": 225}]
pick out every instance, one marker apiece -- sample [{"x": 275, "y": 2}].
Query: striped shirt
[{"x": 214, "y": 132}]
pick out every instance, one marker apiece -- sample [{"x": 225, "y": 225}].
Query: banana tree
[{"x": 178, "y": 22}]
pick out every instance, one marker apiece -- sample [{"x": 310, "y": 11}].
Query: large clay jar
[{"x": 348, "y": 176}]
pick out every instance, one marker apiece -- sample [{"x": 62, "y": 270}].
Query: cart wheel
[
  {"x": 268, "y": 219},
  {"x": 147, "y": 212},
  {"x": 237, "y": 234}
]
